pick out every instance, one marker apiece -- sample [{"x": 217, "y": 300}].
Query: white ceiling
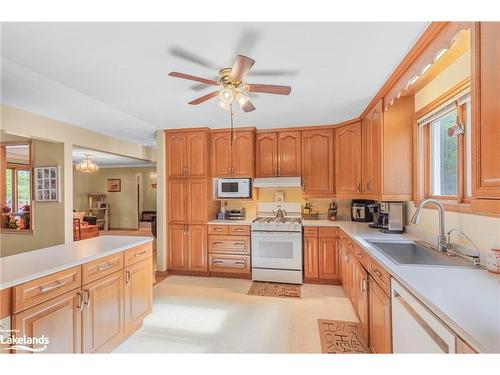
[
  {"x": 113, "y": 77},
  {"x": 105, "y": 160}
]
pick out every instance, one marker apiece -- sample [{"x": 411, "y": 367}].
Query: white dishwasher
[{"x": 415, "y": 329}]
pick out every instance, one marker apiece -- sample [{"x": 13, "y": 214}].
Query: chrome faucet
[
  {"x": 450, "y": 247},
  {"x": 441, "y": 245}
]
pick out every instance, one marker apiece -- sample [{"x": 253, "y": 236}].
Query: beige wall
[
  {"x": 484, "y": 230},
  {"x": 123, "y": 205},
  {"x": 48, "y": 217}
]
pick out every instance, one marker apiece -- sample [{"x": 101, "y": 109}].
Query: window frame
[{"x": 423, "y": 185}]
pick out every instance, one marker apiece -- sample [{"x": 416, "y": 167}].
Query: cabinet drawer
[
  {"x": 33, "y": 292},
  {"x": 380, "y": 275},
  {"x": 218, "y": 229},
  {"x": 360, "y": 254},
  {"x": 310, "y": 232},
  {"x": 328, "y": 232},
  {"x": 137, "y": 253},
  {"x": 229, "y": 263},
  {"x": 241, "y": 230},
  {"x": 101, "y": 267},
  {"x": 228, "y": 244}
]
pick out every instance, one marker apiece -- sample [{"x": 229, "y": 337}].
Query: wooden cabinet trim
[
  {"x": 239, "y": 230},
  {"x": 218, "y": 229},
  {"x": 101, "y": 267},
  {"x": 310, "y": 232},
  {"x": 138, "y": 253},
  {"x": 228, "y": 244},
  {"x": 229, "y": 263},
  {"x": 328, "y": 232}
]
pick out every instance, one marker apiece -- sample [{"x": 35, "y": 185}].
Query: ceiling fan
[{"x": 231, "y": 86}]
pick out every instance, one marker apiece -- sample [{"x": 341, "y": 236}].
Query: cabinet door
[
  {"x": 361, "y": 285},
  {"x": 317, "y": 162},
  {"x": 197, "y": 250},
  {"x": 176, "y": 155},
  {"x": 138, "y": 292},
  {"x": 177, "y": 247},
  {"x": 371, "y": 135},
  {"x": 289, "y": 154},
  {"x": 196, "y": 201},
  {"x": 328, "y": 258},
  {"x": 266, "y": 151},
  {"x": 348, "y": 159},
  {"x": 380, "y": 319},
  {"x": 486, "y": 123},
  {"x": 311, "y": 258},
  {"x": 221, "y": 154},
  {"x": 102, "y": 318},
  {"x": 197, "y": 154},
  {"x": 243, "y": 154},
  {"x": 177, "y": 201},
  {"x": 59, "y": 319}
]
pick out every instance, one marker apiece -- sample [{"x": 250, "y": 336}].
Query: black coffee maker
[
  {"x": 359, "y": 210},
  {"x": 378, "y": 218}
]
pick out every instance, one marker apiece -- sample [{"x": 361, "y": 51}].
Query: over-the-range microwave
[{"x": 234, "y": 188}]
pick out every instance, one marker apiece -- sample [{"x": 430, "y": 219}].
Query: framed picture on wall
[
  {"x": 47, "y": 184},
  {"x": 114, "y": 185}
]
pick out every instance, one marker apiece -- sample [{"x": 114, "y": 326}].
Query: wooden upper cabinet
[
  {"x": 486, "y": 111},
  {"x": 177, "y": 247},
  {"x": 289, "y": 154},
  {"x": 348, "y": 159},
  {"x": 371, "y": 136},
  {"x": 221, "y": 154},
  {"x": 187, "y": 154},
  {"x": 102, "y": 319},
  {"x": 317, "y": 162},
  {"x": 380, "y": 319},
  {"x": 177, "y": 197},
  {"x": 243, "y": 154},
  {"x": 176, "y": 155},
  {"x": 197, "y": 154},
  {"x": 197, "y": 248},
  {"x": 196, "y": 199},
  {"x": 266, "y": 155}
]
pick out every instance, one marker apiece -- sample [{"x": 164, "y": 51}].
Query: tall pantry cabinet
[{"x": 189, "y": 199}]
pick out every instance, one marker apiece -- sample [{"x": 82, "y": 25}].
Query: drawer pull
[
  {"x": 103, "y": 267},
  {"x": 239, "y": 229},
  {"x": 239, "y": 244},
  {"x": 239, "y": 263},
  {"x": 80, "y": 301},
  {"x": 86, "y": 300},
  {"x": 57, "y": 284},
  {"x": 141, "y": 253},
  {"x": 377, "y": 272},
  {"x": 218, "y": 262},
  {"x": 218, "y": 229},
  {"x": 217, "y": 242}
]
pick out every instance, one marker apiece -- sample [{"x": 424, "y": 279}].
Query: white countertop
[
  {"x": 19, "y": 268},
  {"x": 247, "y": 221},
  {"x": 467, "y": 300}
]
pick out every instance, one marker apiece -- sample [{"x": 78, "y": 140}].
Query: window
[{"x": 444, "y": 151}]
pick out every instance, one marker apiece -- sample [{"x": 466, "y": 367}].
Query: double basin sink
[{"x": 418, "y": 253}]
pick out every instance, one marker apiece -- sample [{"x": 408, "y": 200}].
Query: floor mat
[
  {"x": 274, "y": 290},
  {"x": 339, "y": 336}
]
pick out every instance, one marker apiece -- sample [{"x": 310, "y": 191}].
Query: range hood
[{"x": 277, "y": 182}]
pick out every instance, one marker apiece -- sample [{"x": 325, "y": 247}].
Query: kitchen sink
[{"x": 418, "y": 253}]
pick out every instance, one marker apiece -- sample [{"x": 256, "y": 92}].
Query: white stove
[{"x": 277, "y": 243}]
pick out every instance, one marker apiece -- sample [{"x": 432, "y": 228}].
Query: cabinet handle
[
  {"x": 358, "y": 187},
  {"x": 57, "y": 284},
  {"x": 377, "y": 272},
  {"x": 187, "y": 171},
  {"x": 127, "y": 277},
  {"x": 218, "y": 229},
  {"x": 239, "y": 263},
  {"x": 217, "y": 242},
  {"x": 103, "y": 267},
  {"x": 218, "y": 262},
  {"x": 87, "y": 297},
  {"x": 364, "y": 285},
  {"x": 238, "y": 243},
  {"x": 141, "y": 253},
  {"x": 238, "y": 230},
  {"x": 80, "y": 301}
]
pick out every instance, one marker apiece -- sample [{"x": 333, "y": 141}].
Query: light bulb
[
  {"x": 226, "y": 97},
  {"x": 223, "y": 105},
  {"x": 241, "y": 99}
]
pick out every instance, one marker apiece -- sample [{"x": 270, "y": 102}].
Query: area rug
[
  {"x": 339, "y": 336},
  {"x": 274, "y": 290}
]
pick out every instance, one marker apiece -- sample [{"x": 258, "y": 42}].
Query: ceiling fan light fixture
[
  {"x": 226, "y": 96},
  {"x": 224, "y": 106},
  {"x": 241, "y": 98},
  {"x": 87, "y": 165}
]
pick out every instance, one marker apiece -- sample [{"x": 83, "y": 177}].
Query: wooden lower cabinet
[
  {"x": 321, "y": 255},
  {"x": 328, "y": 259},
  {"x": 380, "y": 319},
  {"x": 177, "y": 245},
  {"x": 59, "y": 319},
  {"x": 311, "y": 258},
  {"x": 360, "y": 294},
  {"x": 138, "y": 293},
  {"x": 102, "y": 315},
  {"x": 229, "y": 250},
  {"x": 197, "y": 251}
]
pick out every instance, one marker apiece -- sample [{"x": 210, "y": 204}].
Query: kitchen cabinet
[
  {"x": 321, "y": 255},
  {"x": 485, "y": 114},
  {"x": 360, "y": 293},
  {"x": 233, "y": 159},
  {"x": 186, "y": 154},
  {"x": 59, "y": 319},
  {"x": 229, "y": 250},
  {"x": 371, "y": 163},
  {"x": 380, "y": 319},
  {"x": 102, "y": 314},
  {"x": 177, "y": 245},
  {"x": 278, "y": 154},
  {"x": 177, "y": 198},
  {"x": 138, "y": 293},
  {"x": 348, "y": 159},
  {"x": 311, "y": 258},
  {"x": 187, "y": 201},
  {"x": 317, "y": 162},
  {"x": 187, "y": 248},
  {"x": 328, "y": 259}
]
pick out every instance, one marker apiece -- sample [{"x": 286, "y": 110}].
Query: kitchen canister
[{"x": 493, "y": 261}]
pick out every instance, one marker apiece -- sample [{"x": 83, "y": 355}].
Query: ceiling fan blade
[
  {"x": 189, "y": 56},
  {"x": 269, "y": 89},
  {"x": 248, "y": 106},
  {"x": 241, "y": 67},
  {"x": 204, "y": 98},
  {"x": 193, "y": 78}
]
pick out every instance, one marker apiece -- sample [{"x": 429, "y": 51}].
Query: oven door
[{"x": 277, "y": 250}]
